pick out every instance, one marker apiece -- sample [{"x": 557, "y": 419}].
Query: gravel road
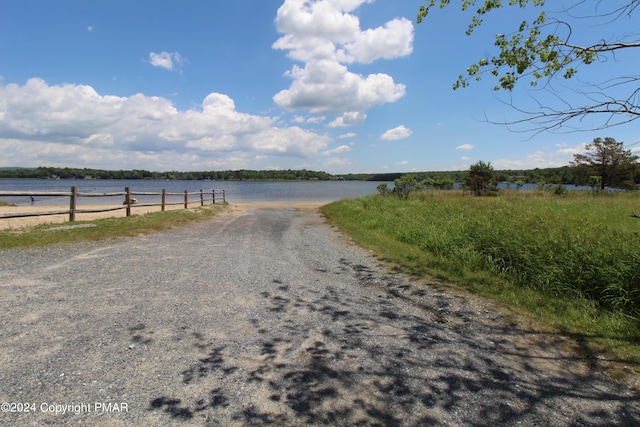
[{"x": 269, "y": 316}]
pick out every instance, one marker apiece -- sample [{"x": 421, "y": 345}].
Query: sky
[{"x": 343, "y": 86}]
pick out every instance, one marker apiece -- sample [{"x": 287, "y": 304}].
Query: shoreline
[{"x": 31, "y": 221}]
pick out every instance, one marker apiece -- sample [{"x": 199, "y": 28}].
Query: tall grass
[{"x": 575, "y": 256}]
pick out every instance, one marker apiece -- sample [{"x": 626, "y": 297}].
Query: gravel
[{"x": 269, "y": 316}]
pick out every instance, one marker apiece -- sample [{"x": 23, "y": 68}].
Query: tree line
[
  {"x": 227, "y": 175},
  {"x": 562, "y": 175}
]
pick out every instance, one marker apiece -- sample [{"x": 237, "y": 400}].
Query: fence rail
[{"x": 202, "y": 197}]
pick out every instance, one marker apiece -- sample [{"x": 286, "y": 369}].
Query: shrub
[
  {"x": 383, "y": 188},
  {"x": 559, "y": 190},
  {"x": 480, "y": 179},
  {"x": 405, "y": 185}
]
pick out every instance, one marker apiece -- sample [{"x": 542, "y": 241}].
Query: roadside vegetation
[
  {"x": 571, "y": 258},
  {"x": 105, "y": 228}
]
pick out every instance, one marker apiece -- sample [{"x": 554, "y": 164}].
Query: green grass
[
  {"x": 105, "y": 228},
  {"x": 572, "y": 261}
]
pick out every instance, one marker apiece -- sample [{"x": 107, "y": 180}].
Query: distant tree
[
  {"x": 560, "y": 40},
  {"x": 441, "y": 183},
  {"x": 480, "y": 178},
  {"x": 606, "y": 163},
  {"x": 383, "y": 188},
  {"x": 404, "y": 185}
]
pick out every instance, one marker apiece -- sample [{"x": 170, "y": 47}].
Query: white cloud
[
  {"x": 465, "y": 147},
  {"x": 394, "y": 40},
  {"x": 328, "y": 87},
  {"x": 325, "y": 29},
  {"x": 566, "y": 149},
  {"x": 325, "y": 35},
  {"x": 347, "y": 135},
  {"x": 351, "y": 118},
  {"x": 336, "y": 162},
  {"x": 75, "y": 123},
  {"x": 541, "y": 159},
  {"x": 166, "y": 60},
  {"x": 400, "y": 132},
  {"x": 311, "y": 120},
  {"x": 338, "y": 150}
]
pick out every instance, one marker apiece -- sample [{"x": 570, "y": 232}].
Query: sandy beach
[{"x": 30, "y": 221}]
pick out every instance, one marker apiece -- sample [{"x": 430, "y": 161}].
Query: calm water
[{"x": 236, "y": 191}]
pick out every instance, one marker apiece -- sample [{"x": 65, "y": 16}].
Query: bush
[
  {"x": 481, "y": 179},
  {"x": 383, "y": 188},
  {"x": 405, "y": 185}
]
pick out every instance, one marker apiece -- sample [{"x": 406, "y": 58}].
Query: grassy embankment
[
  {"x": 105, "y": 228},
  {"x": 572, "y": 261}
]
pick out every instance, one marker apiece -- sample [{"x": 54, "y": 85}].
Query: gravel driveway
[{"x": 268, "y": 316}]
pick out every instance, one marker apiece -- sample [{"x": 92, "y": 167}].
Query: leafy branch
[{"x": 543, "y": 49}]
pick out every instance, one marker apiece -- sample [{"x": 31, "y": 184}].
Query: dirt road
[{"x": 269, "y": 316}]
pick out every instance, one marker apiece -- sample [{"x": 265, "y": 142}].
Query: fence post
[
  {"x": 213, "y": 195},
  {"x": 186, "y": 199},
  {"x": 201, "y": 198},
  {"x": 164, "y": 198},
  {"x": 72, "y": 204},
  {"x": 127, "y": 200},
  {"x": 224, "y": 197}
]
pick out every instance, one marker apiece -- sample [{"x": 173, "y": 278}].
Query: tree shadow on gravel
[
  {"x": 343, "y": 358},
  {"x": 177, "y": 410}
]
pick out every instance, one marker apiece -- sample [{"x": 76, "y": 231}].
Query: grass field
[{"x": 571, "y": 260}]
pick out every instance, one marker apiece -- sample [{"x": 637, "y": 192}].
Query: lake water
[{"x": 236, "y": 191}]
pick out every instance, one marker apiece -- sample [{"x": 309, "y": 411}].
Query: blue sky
[{"x": 335, "y": 85}]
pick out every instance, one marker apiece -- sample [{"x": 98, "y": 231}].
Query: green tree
[
  {"x": 608, "y": 160},
  {"x": 480, "y": 178},
  {"x": 546, "y": 47},
  {"x": 441, "y": 183},
  {"x": 383, "y": 188},
  {"x": 404, "y": 185}
]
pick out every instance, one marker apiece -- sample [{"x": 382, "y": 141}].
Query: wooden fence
[{"x": 201, "y": 197}]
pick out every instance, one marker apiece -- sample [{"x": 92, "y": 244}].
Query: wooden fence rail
[{"x": 203, "y": 197}]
